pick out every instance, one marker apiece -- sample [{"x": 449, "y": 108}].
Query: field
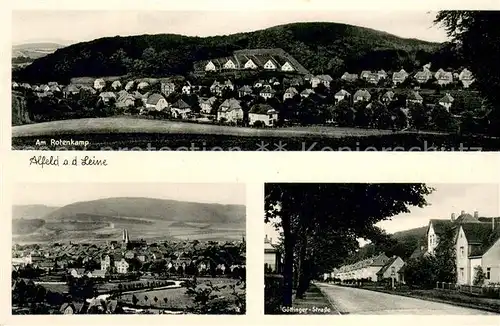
[
  {"x": 129, "y": 133},
  {"x": 177, "y": 299}
]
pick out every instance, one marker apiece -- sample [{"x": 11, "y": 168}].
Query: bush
[{"x": 273, "y": 294}]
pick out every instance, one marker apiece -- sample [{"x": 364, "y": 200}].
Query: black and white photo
[
  {"x": 382, "y": 249},
  {"x": 264, "y": 81},
  {"x": 128, "y": 248}
]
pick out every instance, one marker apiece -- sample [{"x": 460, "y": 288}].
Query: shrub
[{"x": 273, "y": 294}]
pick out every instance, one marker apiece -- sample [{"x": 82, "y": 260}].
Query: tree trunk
[
  {"x": 288, "y": 261},
  {"x": 302, "y": 272}
]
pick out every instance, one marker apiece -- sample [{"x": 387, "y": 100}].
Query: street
[{"x": 365, "y": 302}]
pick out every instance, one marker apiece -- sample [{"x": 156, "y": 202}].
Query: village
[
  {"x": 259, "y": 89},
  {"x": 118, "y": 276}
]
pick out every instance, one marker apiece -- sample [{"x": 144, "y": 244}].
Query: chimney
[
  {"x": 476, "y": 214},
  {"x": 453, "y": 216},
  {"x": 265, "y": 239},
  {"x": 462, "y": 213}
]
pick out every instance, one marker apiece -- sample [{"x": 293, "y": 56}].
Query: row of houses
[
  {"x": 477, "y": 243},
  {"x": 441, "y": 77},
  {"x": 376, "y": 268}
]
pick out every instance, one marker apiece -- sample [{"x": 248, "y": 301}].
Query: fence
[{"x": 483, "y": 291}]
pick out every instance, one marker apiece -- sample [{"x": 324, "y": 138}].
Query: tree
[
  {"x": 320, "y": 223},
  {"x": 479, "y": 276},
  {"x": 155, "y": 299},
  {"x": 442, "y": 119},
  {"x": 475, "y": 36},
  {"x": 419, "y": 116},
  {"x": 134, "y": 300},
  {"x": 165, "y": 300}
]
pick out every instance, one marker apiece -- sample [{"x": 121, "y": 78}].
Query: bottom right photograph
[{"x": 382, "y": 248}]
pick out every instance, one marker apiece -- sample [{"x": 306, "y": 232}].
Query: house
[
  {"x": 290, "y": 93},
  {"x": 46, "y": 265},
  {"x": 296, "y": 81},
  {"x": 230, "y": 110},
  {"x": 98, "y": 273},
  {"x": 250, "y": 64},
  {"x": 129, "y": 254},
  {"x": 365, "y": 74},
  {"x": 466, "y": 78},
  {"x": 73, "y": 308},
  {"x": 42, "y": 88},
  {"x": 99, "y": 84},
  {"x": 55, "y": 89},
  {"x": 142, "y": 85},
  {"x": 122, "y": 266},
  {"x": 167, "y": 88},
  {"x": 216, "y": 88},
  {"x": 364, "y": 269},
  {"x": 478, "y": 244},
  {"x": 415, "y": 98},
  {"x": 373, "y": 78},
  {"x": 210, "y": 66},
  {"x": 446, "y": 101},
  {"x": 125, "y": 100},
  {"x": 71, "y": 89},
  {"x": 116, "y": 85},
  {"x": 106, "y": 262},
  {"x": 270, "y": 65},
  {"x": 129, "y": 85},
  {"x": 362, "y": 95},
  {"x": 342, "y": 95},
  {"x": 423, "y": 77},
  {"x": 77, "y": 272},
  {"x": 267, "y": 92},
  {"x": 186, "y": 89},
  {"x": 274, "y": 81},
  {"x": 229, "y": 85},
  {"x": 245, "y": 90},
  {"x": 391, "y": 269},
  {"x": 399, "y": 77},
  {"x": 388, "y": 97},
  {"x": 15, "y": 85},
  {"x": 264, "y": 113},
  {"x": 107, "y": 97},
  {"x": 156, "y": 101},
  {"x": 382, "y": 74},
  {"x": 349, "y": 77},
  {"x": 287, "y": 67},
  {"x": 259, "y": 84},
  {"x": 229, "y": 64},
  {"x": 321, "y": 79},
  {"x": 306, "y": 93},
  {"x": 206, "y": 105},
  {"x": 444, "y": 78},
  {"x": 180, "y": 109}
]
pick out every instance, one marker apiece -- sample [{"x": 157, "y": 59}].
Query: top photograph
[{"x": 260, "y": 81}]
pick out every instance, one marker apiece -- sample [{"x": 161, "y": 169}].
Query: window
[
  {"x": 461, "y": 251},
  {"x": 488, "y": 273}
]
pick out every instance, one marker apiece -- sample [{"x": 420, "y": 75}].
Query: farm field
[{"x": 177, "y": 299}]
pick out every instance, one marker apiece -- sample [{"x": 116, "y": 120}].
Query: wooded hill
[{"x": 328, "y": 48}]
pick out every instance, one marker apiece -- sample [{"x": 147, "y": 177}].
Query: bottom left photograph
[{"x": 128, "y": 248}]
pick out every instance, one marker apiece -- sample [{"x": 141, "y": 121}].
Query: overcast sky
[
  {"x": 446, "y": 199},
  {"x": 78, "y": 26},
  {"x": 60, "y": 194}
]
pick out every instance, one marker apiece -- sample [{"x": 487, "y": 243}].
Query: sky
[
  {"x": 60, "y": 194},
  {"x": 446, "y": 199},
  {"x": 78, "y": 26}
]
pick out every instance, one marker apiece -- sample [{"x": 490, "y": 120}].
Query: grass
[
  {"x": 445, "y": 296},
  {"x": 132, "y": 134},
  {"x": 177, "y": 299}
]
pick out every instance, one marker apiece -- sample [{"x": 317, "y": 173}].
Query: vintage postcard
[
  {"x": 382, "y": 249},
  {"x": 110, "y": 248},
  {"x": 412, "y": 80}
]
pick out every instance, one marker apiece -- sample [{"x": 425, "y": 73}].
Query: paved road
[{"x": 365, "y": 302}]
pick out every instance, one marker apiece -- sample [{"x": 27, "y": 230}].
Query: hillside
[
  {"x": 154, "y": 209},
  {"x": 34, "y": 50},
  {"x": 31, "y": 211},
  {"x": 319, "y": 47}
]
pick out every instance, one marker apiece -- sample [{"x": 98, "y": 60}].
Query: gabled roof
[
  {"x": 439, "y": 226},
  {"x": 342, "y": 92},
  {"x": 267, "y": 89},
  {"x": 153, "y": 99},
  {"x": 387, "y": 265},
  {"x": 262, "y": 109},
  {"x": 246, "y": 89},
  {"x": 362, "y": 93},
  {"x": 291, "y": 90},
  {"x": 229, "y": 105},
  {"x": 415, "y": 96},
  {"x": 447, "y": 99},
  {"x": 180, "y": 104},
  {"x": 327, "y": 78}
]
